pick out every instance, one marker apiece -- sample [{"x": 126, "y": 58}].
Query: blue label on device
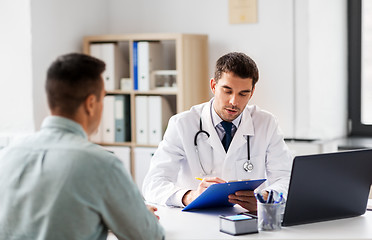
[{"x": 238, "y": 217}]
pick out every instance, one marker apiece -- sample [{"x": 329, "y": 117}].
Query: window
[{"x": 360, "y": 66}]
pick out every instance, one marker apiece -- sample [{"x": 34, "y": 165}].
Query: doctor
[{"x": 220, "y": 140}]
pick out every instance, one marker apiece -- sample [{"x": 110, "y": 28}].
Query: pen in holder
[{"x": 269, "y": 212}]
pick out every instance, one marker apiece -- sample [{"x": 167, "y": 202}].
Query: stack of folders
[
  {"x": 115, "y": 122},
  {"x": 147, "y": 57},
  {"x": 152, "y": 115},
  {"x": 116, "y": 66}
]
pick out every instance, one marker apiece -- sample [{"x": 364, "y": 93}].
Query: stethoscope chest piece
[{"x": 248, "y": 166}]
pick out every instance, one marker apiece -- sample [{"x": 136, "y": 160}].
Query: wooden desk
[{"x": 205, "y": 225}]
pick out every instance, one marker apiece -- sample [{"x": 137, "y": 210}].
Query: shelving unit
[{"x": 187, "y": 56}]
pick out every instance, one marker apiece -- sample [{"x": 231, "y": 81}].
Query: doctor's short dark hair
[
  {"x": 239, "y": 64},
  {"x": 71, "y": 78}
]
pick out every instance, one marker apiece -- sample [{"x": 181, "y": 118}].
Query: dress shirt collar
[{"x": 64, "y": 124}]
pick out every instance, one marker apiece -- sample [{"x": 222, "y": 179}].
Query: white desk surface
[{"x": 205, "y": 225}]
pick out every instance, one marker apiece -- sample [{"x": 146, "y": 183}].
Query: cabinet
[
  {"x": 142, "y": 164},
  {"x": 177, "y": 76}
]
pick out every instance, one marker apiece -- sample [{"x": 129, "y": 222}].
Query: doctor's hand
[
  {"x": 245, "y": 199},
  {"x": 204, "y": 184},
  {"x": 153, "y": 210}
]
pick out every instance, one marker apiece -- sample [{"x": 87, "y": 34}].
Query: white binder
[
  {"x": 108, "y": 56},
  {"x": 115, "y": 66},
  {"x": 149, "y": 57},
  {"x": 159, "y": 114},
  {"x": 108, "y": 120},
  {"x": 95, "y": 50},
  {"x": 142, "y": 159},
  {"x": 142, "y": 119}
]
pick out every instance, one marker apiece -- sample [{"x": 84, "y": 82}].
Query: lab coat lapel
[
  {"x": 245, "y": 128},
  {"x": 213, "y": 140}
]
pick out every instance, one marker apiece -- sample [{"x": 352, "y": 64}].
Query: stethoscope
[{"x": 247, "y": 166}]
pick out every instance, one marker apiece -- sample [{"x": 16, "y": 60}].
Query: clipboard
[{"x": 216, "y": 195}]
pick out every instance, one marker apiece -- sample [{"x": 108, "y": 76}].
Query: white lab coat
[{"x": 175, "y": 164}]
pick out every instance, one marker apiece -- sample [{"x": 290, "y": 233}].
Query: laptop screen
[{"x": 328, "y": 186}]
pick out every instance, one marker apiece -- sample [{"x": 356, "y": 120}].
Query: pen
[
  {"x": 280, "y": 198},
  {"x": 270, "y": 197},
  {"x": 260, "y": 198},
  {"x": 198, "y": 178}
]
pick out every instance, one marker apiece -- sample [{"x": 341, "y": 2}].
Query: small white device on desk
[{"x": 238, "y": 224}]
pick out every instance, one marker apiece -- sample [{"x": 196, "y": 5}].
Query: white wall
[
  {"x": 299, "y": 46},
  {"x": 321, "y": 69},
  {"x": 15, "y": 61},
  {"x": 58, "y": 27},
  {"x": 269, "y": 42}
]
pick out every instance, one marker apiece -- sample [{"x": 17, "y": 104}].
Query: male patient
[{"x": 55, "y": 184}]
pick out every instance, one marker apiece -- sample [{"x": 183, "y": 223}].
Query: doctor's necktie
[{"x": 227, "y": 138}]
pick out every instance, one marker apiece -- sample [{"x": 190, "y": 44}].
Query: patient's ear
[{"x": 89, "y": 104}]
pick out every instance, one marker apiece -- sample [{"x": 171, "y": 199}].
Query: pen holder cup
[{"x": 269, "y": 216}]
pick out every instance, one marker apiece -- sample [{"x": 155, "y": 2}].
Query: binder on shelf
[
  {"x": 122, "y": 118},
  {"x": 123, "y": 153},
  {"x": 142, "y": 156},
  {"x": 142, "y": 119},
  {"x": 159, "y": 114},
  {"x": 149, "y": 58},
  {"x": 135, "y": 65},
  {"x": 115, "y": 64},
  {"x": 108, "y": 56},
  {"x": 108, "y": 121},
  {"x": 95, "y": 50}
]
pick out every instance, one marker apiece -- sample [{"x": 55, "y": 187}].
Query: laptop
[{"x": 328, "y": 186}]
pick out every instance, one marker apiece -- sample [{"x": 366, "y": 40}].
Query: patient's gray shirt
[{"x": 56, "y": 184}]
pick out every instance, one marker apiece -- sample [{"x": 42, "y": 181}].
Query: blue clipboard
[{"x": 216, "y": 195}]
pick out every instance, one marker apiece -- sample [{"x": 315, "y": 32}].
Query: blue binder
[
  {"x": 135, "y": 65},
  {"x": 216, "y": 195},
  {"x": 122, "y": 118}
]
